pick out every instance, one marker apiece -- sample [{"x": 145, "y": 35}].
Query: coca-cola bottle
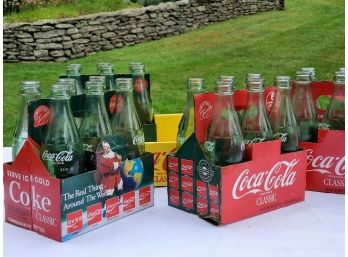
[
  {"x": 30, "y": 90},
  {"x": 311, "y": 70},
  {"x": 143, "y": 102},
  {"x": 72, "y": 83},
  {"x": 186, "y": 125},
  {"x": 74, "y": 71},
  {"x": 229, "y": 80},
  {"x": 108, "y": 72},
  {"x": 126, "y": 122},
  {"x": 282, "y": 117},
  {"x": 95, "y": 123},
  {"x": 334, "y": 117},
  {"x": 255, "y": 123},
  {"x": 303, "y": 105},
  {"x": 224, "y": 141},
  {"x": 61, "y": 150},
  {"x": 98, "y": 79}
]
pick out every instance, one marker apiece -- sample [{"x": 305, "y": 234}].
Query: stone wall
[{"x": 61, "y": 40}]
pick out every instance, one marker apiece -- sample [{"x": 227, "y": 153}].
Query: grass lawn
[
  {"x": 307, "y": 33},
  {"x": 73, "y": 9}
]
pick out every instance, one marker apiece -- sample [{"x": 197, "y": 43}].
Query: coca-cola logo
[
  {"x": 253, "y": 141},
  {"x": 62, "y": 156},
  {"x": 74, "y": 221},
  {"x": 112, "y": 104},
  {"x": 325, "y": 164},
  {"x": 205, "y": 110},
  {"x": 138, "y": 140},
  {"x": 205, "y": 171},
  {"x": 41, "y": 116},
  {"x": 280, "y": 175},
  {"x": 282, "y": 136},
  {"x": 128, "y": 201},
  {"x": 94, "y": 214},
  {"x": 269, "y": 100},
  {"x": 174, "y": 197},
  {"x": 209, "y": 146},
  {"x": 111, "y": 207}
]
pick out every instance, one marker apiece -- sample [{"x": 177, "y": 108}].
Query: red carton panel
[
  {"x": 112, "y": 207},
  {"x": 326, "y": 162}
]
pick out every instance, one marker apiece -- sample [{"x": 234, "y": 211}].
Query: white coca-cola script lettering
[
  {"x": 63, "y": 156},
  {"x": 280, "y": 175},
  {"x": 282, "y": 136},
  {"x": 138, "y": 140},
  {"x": 323, "y": 164}
]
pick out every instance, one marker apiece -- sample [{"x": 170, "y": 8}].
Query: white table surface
[{"x": 311, "y": 228}]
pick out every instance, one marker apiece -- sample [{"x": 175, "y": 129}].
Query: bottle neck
[
  {"x": 256, "y": 98},
  {"x": 223, "y": 102},
  {"x": 94, "y": 104},
  {"x": 190, "y": 99},
  {"x": 61, "y": 107}
]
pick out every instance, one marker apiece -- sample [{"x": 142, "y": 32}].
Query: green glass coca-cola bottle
[
  {"x": 107, "y": 70},
  {"x": 282, "y": 117},
  {"x": 224, "y": 141},
  {"x": 142, "y": 98},
  {"x": 231, "y": 81},
  {"x": 186, "y": 125},
  {"x": 72, "y": 83},
  {"x": 61, "y": 150},
  {"x": 126, "y": 122},
  {"x": 95, "y": 123},
  {"x": 98, "y": 79},
  {"x": 255, "y": 123},
  {"x": 74, "y": 71},
  {"x": 73, "y": 87},
  {"x": 302, "y": 102},
  {"x": 30, "y": 90},
  {"x": 334, "y": 117}
]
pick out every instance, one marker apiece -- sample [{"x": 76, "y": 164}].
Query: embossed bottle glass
[
  {"x": 74, "y": 71},
  {"x": 61, "y": 150},
  {"x": 282, "y": 117},
  {"x": 303, "y": 105},
  {"x": 186, "y": 125},
  {"x": 334, "y": 117},
  {"x": 30, "y": 90},
  {"x": 126, "y": 122},
  {"x": 255, "y": 123},
  {"x": 224, "y": 141},
  {"x": 142, "y": 98},
  {"x": 95, "y": 123}
]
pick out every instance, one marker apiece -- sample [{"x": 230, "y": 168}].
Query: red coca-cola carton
[
  {"x": 325, "y": 158},
  {"x": 62, "y": 209},
  {"x": 265, "y": 181}
]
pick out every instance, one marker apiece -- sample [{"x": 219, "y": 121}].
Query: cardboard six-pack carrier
[
  {"x": 62, "y": 209},
  {"x": 325, "y": 158},
  {"x": 267, "y": 180}
]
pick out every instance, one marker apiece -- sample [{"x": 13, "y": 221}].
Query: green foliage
[
  {"x": 56, "y": 9},
  {"x": 307, "y": 33}
]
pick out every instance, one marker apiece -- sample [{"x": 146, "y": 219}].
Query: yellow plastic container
[{"x": 167, "y": 129}]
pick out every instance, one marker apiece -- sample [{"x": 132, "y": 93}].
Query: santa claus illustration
[{"x": 108, "y": 169}]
